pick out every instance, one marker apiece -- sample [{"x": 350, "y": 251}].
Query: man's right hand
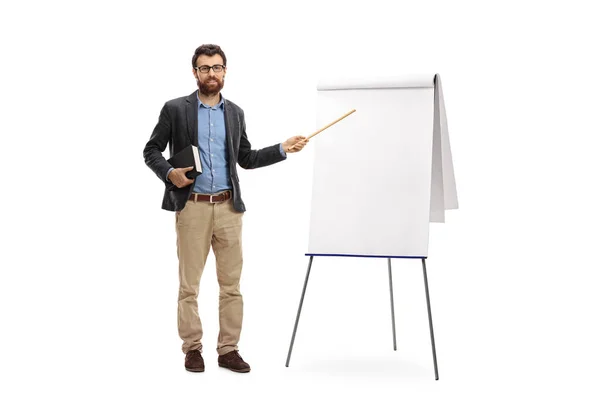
[{"x": 177, "y": 176}]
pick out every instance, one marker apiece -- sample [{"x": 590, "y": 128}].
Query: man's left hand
[{"x": 294, "y": 144}]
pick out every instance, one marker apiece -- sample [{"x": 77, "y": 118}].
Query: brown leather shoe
[
  {"x": 194, "y": 361},
  {"x": 234, "y": 362}
]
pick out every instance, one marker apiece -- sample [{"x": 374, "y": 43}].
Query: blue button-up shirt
[{"x": 212, "y": 146}]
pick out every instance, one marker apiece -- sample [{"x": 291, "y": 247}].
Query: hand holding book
[
  {"x": 187, "y": 167},
  {"x": 178, "y": 177}
]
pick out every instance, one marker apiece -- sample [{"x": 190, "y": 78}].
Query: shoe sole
[
  {"x": 195, "y": 369},
  {"x": 235, "y": 370}
]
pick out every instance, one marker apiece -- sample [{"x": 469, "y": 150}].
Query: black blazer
[{"x": 178, "y": 126}]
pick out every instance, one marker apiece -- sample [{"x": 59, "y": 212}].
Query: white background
[{"x": 88, "y": 282}]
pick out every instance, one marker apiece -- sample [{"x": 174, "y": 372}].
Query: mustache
[{"x": 210, "y": 80}]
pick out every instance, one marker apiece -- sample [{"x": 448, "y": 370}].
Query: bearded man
[{"x": 209, "y": 208}]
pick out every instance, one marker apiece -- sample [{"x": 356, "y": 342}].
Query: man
[{"x": 209, "y": 209}]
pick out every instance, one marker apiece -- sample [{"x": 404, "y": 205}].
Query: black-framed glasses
[{"x": 205, "y": 68}]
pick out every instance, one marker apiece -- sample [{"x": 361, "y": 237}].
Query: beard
[{"x": 207, "y": 88}]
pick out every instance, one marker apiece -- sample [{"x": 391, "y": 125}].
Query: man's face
[{"x": 211, "y": 82}]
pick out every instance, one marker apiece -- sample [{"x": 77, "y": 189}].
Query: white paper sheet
[{"x": 379, "y": 175}]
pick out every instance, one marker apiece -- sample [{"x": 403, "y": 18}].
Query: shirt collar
[{"x": 219, "y": 105}]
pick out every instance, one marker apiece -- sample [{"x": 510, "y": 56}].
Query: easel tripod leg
[
  {"x": 430, "y": 320},
  {"x": 287, "y": 363},
  {"x": 392, "y": 301}
]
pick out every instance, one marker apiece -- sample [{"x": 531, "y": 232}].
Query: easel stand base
[{"x": 287, "y": 363}]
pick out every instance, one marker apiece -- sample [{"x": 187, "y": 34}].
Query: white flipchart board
[{"x": 385, "y": 172}]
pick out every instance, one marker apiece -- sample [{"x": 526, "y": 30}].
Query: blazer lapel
[
  {"x": 230, "y": 128},
  {"x": 191, "y": 113}
]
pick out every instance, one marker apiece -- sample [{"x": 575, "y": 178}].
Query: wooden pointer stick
[{"x": 326, "y": 126}]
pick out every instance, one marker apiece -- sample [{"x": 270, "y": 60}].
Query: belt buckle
[{"x": 210, "y": 199}]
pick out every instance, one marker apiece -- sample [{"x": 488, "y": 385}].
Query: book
[{"x": 188, "y": 157}]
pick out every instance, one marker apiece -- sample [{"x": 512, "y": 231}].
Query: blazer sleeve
[
  {"x": 250, "y": 159},
  {"x": 161, "y": 135}
]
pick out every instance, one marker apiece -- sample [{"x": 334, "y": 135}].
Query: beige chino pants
[{"x": 199, "y": 226}]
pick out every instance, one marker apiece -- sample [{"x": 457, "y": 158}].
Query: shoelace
[{"x": 236, "y": 354}]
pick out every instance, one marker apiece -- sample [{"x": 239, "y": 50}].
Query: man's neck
[{"x": 210, "y": 101}]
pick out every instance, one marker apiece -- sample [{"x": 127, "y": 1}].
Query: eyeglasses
[{"x": 205, "y": 68}]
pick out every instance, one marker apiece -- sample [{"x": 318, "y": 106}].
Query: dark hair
[{"x": 208, "y": 50}]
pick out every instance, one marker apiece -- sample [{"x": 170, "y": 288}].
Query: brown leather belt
[{"x": 211, "y": 198}]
